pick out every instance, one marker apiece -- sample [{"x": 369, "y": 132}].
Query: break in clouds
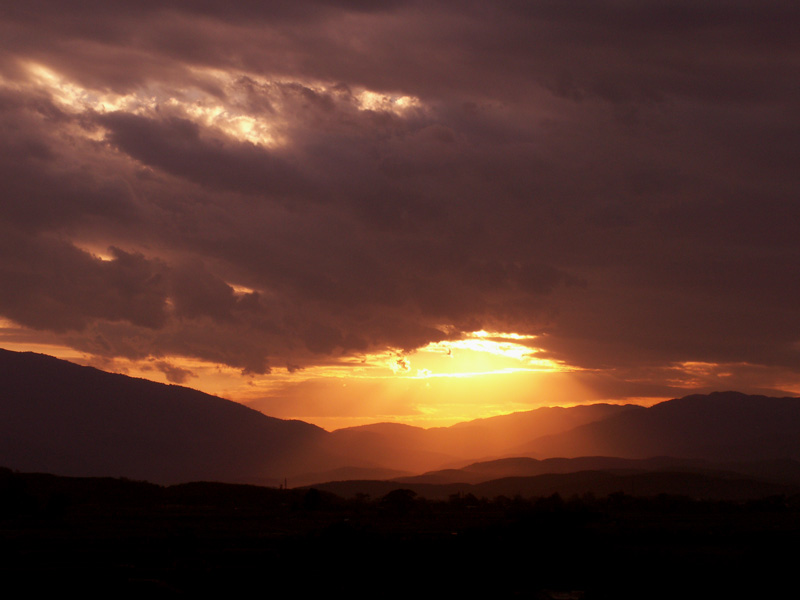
[{"x": 294, "y": 184}]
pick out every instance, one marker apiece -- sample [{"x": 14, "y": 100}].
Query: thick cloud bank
[{"x": 280, "y": 185}]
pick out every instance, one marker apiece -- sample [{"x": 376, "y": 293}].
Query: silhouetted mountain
[
  {"x": 528, "y": 467},
  {"x": 66, "y": 419},
  {"x": 782, "y": 472},
  {"x": 59, "y": 417},
  {"x": 62, "y": 418},
  {"x": 504, "y": 434},
  {"x": 722, "y": 426},
  {"x": 393, "y": 445},
  {"x": 416, "y": 449},
  {"x": 347, "y": 474}
]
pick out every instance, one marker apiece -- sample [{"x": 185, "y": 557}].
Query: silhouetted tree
[
  {"x": 400, "y": 501},
  {"x": 312, "y": 500}
]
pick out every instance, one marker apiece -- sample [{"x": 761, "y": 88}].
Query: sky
[{"x": 349, "y": 211}]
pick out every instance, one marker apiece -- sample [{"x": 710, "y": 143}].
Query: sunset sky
[{"x": 349, "y": 211}]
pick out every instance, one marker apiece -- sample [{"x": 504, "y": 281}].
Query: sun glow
[
  {"x": 458, "y": 383},
  {"x": 475, "y": 354},
  {"x": 483, "y": 353}
]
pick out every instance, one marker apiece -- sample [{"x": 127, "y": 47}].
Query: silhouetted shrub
[{"x": 399, "y": 501}]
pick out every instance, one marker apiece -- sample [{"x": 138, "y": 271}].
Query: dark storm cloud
[
  {"x": 174, "y": 374},
  {"x": 50, "y": 284},
  {"x": 199, "y": 293},
  {"x": 45, "y": 185},
  {"x": 175, "y": 146},
  {"x": 618, "y": 177}
]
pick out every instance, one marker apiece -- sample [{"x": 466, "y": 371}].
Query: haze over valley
[{"x": 66, "y": 419}]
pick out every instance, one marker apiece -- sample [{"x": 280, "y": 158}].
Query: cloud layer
[{"x": 296, "y": 184}]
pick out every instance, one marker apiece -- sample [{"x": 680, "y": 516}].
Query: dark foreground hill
[
  {"x": 62, "y": 418},
  {"x": 133, "y": 539}
]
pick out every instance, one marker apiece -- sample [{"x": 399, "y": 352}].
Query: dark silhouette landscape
[{"x": 131, "y": 494}]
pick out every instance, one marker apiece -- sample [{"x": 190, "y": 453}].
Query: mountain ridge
[
  {"x": 718, "y": 426},
  {"x": 70, "y": 419},
  {"x": 67, "y": 419}
]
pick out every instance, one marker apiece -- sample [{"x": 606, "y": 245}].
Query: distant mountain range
[
  {"x": 721, "y": 426},
  {"x": 416, "y": 449},
  {"x": 66, "y": 419}
]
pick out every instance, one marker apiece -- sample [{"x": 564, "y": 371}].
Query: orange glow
[
  {"x": 481, "y": 375},
  {"x": 482, "y": 353}
]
